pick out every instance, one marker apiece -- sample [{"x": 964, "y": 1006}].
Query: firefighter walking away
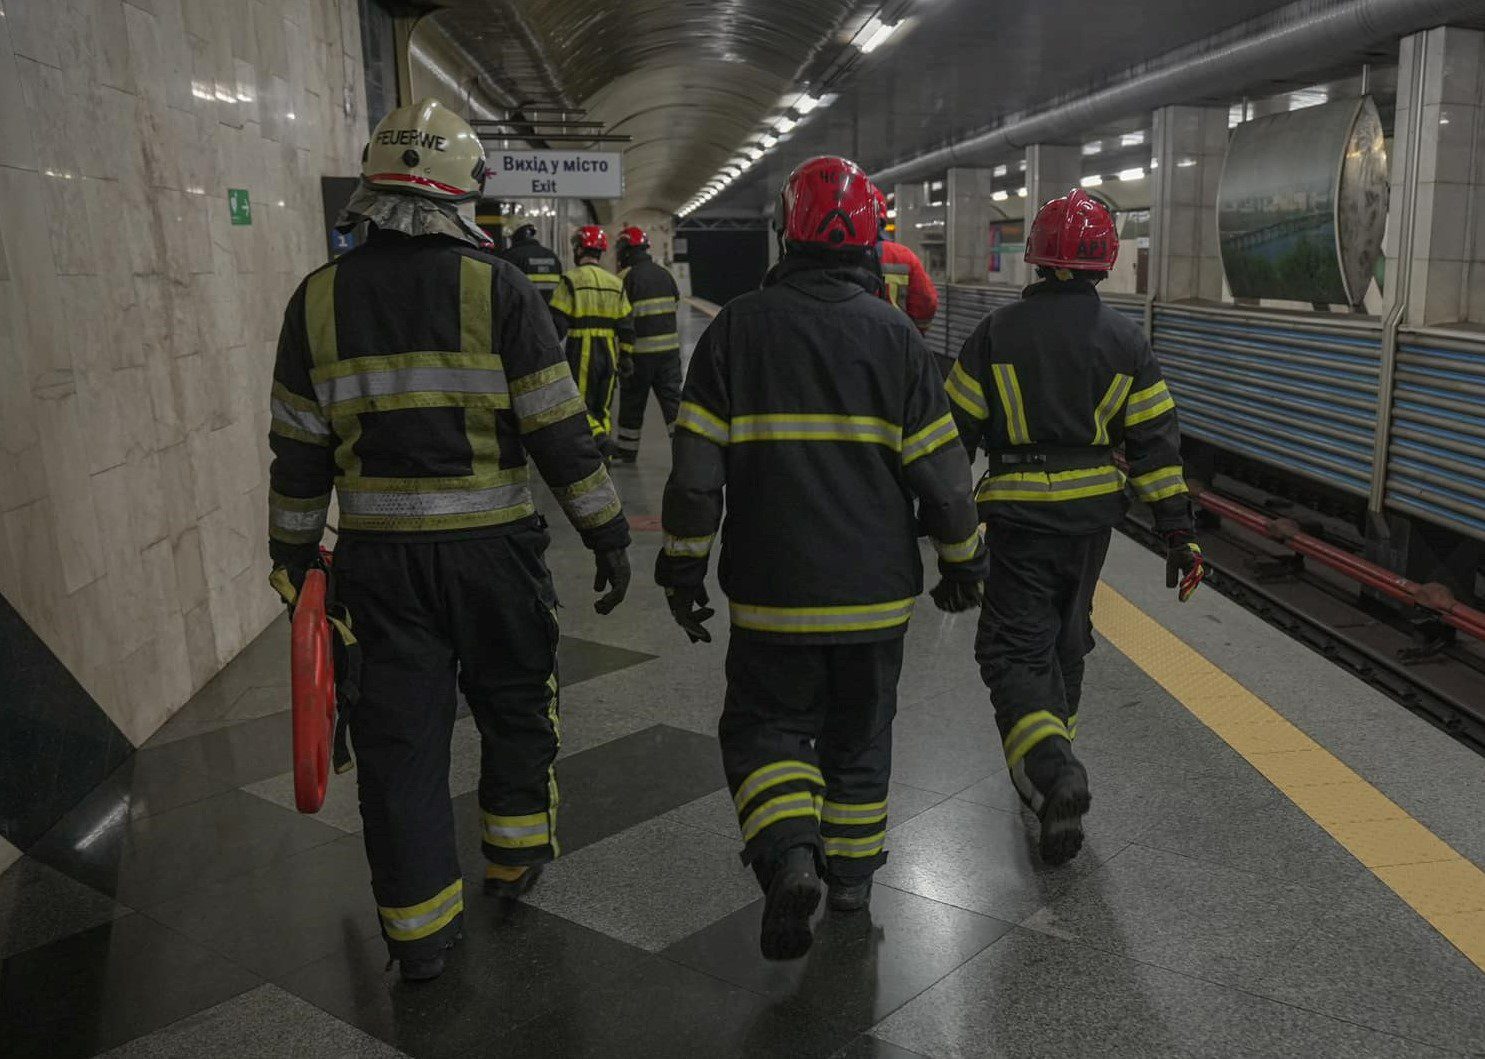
[
  {"x": 540, "y": 264},
  {"x": 813, "y": 407},
  {"x": 593, "y": 314},
  {"x": 1050, "y": 386},
  {"x": 656, "y": 349},
  {"x": 416, "y": 375}
]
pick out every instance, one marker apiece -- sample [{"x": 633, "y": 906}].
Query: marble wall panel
[{"x": 142, "y": 323}]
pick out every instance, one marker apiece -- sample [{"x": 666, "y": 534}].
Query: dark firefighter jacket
[
  {"x": 541, "y": 265},
  {"x": 655, "y": 298},
  {"x": 415, "y": 375},
  {"x": 1051, "y": 386},
  {"x": 817, "y": 410}
]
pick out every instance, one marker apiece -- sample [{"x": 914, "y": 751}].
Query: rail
[{"x": 1431, "y": 597}]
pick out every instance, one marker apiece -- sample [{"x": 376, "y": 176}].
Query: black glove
[
  {"x": 957, "y": 596},
  {"x": 613, "y": 574},
  {"x": 689, "y": 608},
  {"x": 626, "y": 365},
  {"x": 1185, "y": 569}
]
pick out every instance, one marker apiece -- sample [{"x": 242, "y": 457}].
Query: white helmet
[{"x": 425, "y": 149}]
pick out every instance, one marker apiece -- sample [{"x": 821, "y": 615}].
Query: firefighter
[
  {"x": 1050, "y": 386},
  {"x": 814, "y": 406},
  {"x": 593, "y": 314},
  {"x": 907, "y": 283},
  {"x": 415, "y": 375},
  {"x": 541, "y": 265},
  {"x": 656, "y": 349}
]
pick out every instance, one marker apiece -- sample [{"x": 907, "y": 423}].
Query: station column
[
  {"x": 970, "y": 211},
  {"x": 1188, "y": 146},
  {"x": 1051, "y": 170}
]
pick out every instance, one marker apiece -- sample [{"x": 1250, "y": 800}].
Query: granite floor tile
[
  {"x": 1185, "y": 915},
  {"x": 144, "y": 785},
  {"x": 1372, "y": 960},
  {"x": 289, "y": 913},
  {"x": 580, "y": 659},
  {"x": 39, "y": 904},
  {"x": 869, "y": 1047},
  {"x": 266, "y": 1023},
  {"x": 148, "y": 861},
  {"x": 666, "y": 1011},
  {"x": 983, "y": 860},
  {"x": 612, "y": 787},
  {"x": 650, "y": 885},
  {"x": 862, "y": 967},
  {"x": 341, "y": 808},
  {"x": 107, "y": 985},
  {"x": 1032, "y": 994},
  {"x": 514, "y": 964},
  {"x": 934, "y": 756},
  {"x": 239, "y": 754}
]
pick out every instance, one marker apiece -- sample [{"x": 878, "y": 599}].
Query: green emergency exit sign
[{"x": 238, "y": 206}]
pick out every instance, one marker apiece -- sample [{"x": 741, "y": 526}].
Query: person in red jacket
[{"x": 907, "y": 283}]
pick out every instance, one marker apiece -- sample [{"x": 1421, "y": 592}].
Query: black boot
[
  {"x": 426, "y": 968},
  {"x": 793, "y": 896},
  {"x": 496, "y": 883},
  {"x": 853, "y": 896},
  {"x": 1054, "y": 785}
]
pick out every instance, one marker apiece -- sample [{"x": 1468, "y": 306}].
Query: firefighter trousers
[
  {"x": 1036, "y": 628},
  {"x": 660, "y": 372},
  {"x": 478, "y": 611},
  {"x": 594, "y": 361},
  {"x": 806, "y": 734}
]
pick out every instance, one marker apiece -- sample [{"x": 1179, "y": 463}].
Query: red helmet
[
  {"x": 1075, "y": 231},
  {"x": 589, "y": 237},
  {"x": 633, "y": 236},
  {"x": 828, "y": 202}
]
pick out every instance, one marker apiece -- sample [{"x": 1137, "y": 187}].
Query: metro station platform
[{"x": 1281, "y": 862}]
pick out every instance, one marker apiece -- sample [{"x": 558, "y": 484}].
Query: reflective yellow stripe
[
  {"x": 1008, "y": 385},
  {"x": 297, "y": 520},
  {"x": 1159, "y": 484},
  {"x": 897, "y": 284},
  {"x": 1029, "y": 731},
  {"x": 771, "y": 775},
  {"x": 319, "y": 316},
  {"x": 815, "y": 426},
  {"x": 590, "y": 502},
  {"x": 930, "y": 439},
  {"x": 848, "y": 813},
  {"x": 960, "y": 552},
  {"x": 655, "y": 306},
  {"x": 1113, "y": 399},
  {"x": 855, "y": 847},
  {"x": 784, "y": 807},
  {"x": 1147, "y": 404},
  {"x": 1072, "y": 727},
  {"x": 1038, "y": 486},
  {"x": 822, "y": 619},
  {"x": 656, "y": 343},
  {"x": 530, "y": 831},
  {"x": 698, "y": 420},
  {"x": 968, "y": 394},
  {"x": 425, "y": 918},
  {"x": 688, "y": 547}
]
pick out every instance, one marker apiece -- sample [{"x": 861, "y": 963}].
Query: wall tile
[
  {"x": 31, "y": 30},
  {"x": 16, "y": 147}
]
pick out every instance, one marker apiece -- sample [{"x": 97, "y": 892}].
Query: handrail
[{"x": 1431, "y": 596}]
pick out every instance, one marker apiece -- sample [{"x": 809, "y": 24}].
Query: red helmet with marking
[
  {"x": 1074, "y": 232},
  {"x": 881, "y": 200},
  {"x": 633, "y": 236},
  {"x": 589, "y": 237},
  {"x": 828, "y": 203}
]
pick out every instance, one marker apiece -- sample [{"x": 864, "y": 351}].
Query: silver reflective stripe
[
  {"x": 784, "y": 807},
  {"x": 655, "y": 306},
  {"x": 628, "y": 434},
  {"x": 1147, "y": 399},
  {"x": 657, "y": 343},
  {"x": 584, "y": 507},
  {"x": 1152, "y": 488},
  {"x": 544, "y": 398},
  {"x": 812, "y": 428},
  {"x": 290, "y": 521},
  {"x": 836, "y": 813},
  {"x": 821, "y": 619},
  {"x": 923, "y": 444},
  {"x": 497, "y": 831},
  {"x": 688, "y": 547},
  {"x": 410, "y": 928},
  {"x": 698, "y": 420},
  {"x": 300, "y": 418},
  {"x": 454, "y": 502},
  {"x": 1009, "y": 487},
  {"x": 897, "y": 267},
  {"x": 411, "y": 380}
]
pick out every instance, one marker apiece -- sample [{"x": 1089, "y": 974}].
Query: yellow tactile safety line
[{"x": 1442, "y": 886}]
